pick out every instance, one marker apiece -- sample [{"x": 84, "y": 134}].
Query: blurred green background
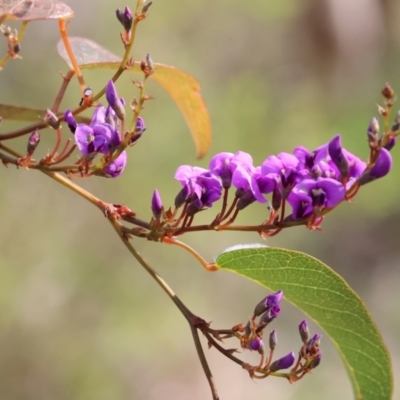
[{"x": 79, "y": 318}]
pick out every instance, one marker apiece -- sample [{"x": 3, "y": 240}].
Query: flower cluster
[
  {"x": 309, "y": 355},
  {"x": 103, "y": 135},
  {"x": 311, "y": 182}
]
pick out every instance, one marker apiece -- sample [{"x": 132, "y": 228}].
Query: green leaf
[
  {"x": 19, "y": 113},
  {"x": 182, "y": 87},
  {"x": 325, "y": 297}
]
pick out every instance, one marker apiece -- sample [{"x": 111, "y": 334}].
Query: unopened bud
[
  {"x": 125, "y": 18},
  {"x": 313, "y": 342},
  {"x": 387, "y": 92},
  {"x": 33, "y": 141},
  {"x": 140, "y": 127},
  {"x": 146, "y": 7},
  {"x": 382, "y": 166},
  {"x": 269, "y": 301},
  {"x": 316, "y": 360},
  {"x": 87, "y": 97},
  {"x": 273, "y": 340},
  {"x": 114, "y": 101},
  {"x": 268, "y": 317},
  {"x": 51, "y": 119},
  {"x": 256, "y": 345},
  {"x": 156, "y": 205},
  {"x": 304, "y": 331},
  {"x": 182, "y": 196},
  {"x": 283, "y": 363},
  {"x": 17, "y": 48},
  {"x": 336, "y": 153},
  {"x": 373, "y": 132}
]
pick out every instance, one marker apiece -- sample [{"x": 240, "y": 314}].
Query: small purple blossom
[
  {"x": 224, "y": 164},
  {"x": 269, "y": 316},
  {"x": 382, "y": 166},
  {"x": 313, "y": 342},
  {"x": 70, "y": 120},
  {"x": 116, "y": 167},
  {"x": 269, "y": 301},
  {"x": 244, "y": 179},
  {"x": 283, "y": 363},
  {"x": 33, "y": 141}
]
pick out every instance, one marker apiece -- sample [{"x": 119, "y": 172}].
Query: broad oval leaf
[
  {"x": 30, "y": 10},
  {"x": 19, "y": 113},
  {"x": 322, "y": 294},
  {"x": 183, "y": 88}
]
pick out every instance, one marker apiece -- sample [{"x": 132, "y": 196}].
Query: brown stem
[{"x": 60, "y": 95}]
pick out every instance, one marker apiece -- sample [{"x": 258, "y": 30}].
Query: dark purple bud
[
  {"x": 70, "y": 120},
  {"x": 316, "y": 360},
  {"x": 125, "y": 18},
  {"x": 382, "y": 166},
  {"x": 116, "y": 167},
  {"x": 283, "y": 363},
  {"x": 269, "y": 301},
  {"x": 51, "y": 119},
  {"x": 314, "y": 341},
  {"x": 337, "y": 156},
  {"x": 194, "y": 207},
  {"x": 156, "y": 205},
  {"x": 17, "y": 48},
  {"x": 396, "y": 125},
  {"x": 268, "y": 317},
  {"x": 256, "y": 345},
  {"x": 304, "y": 331},
  {"x": 182, "y": 196},
  {"x": 33, "y": 141},
  {"x": 140, "y": 127},
  {"x": 273, "y": 340},
  {"x": 391, "y": 142},
  {"x": 277, "y": 197},
  {"x": 114, "y": 101},
  {"x": 373, "y": 132}
]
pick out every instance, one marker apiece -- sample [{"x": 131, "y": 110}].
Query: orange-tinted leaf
[
  {"x": 185, "y": 91},
  {"x": 30, "y": 10},
  {"x": 17, "y": 113},
  {"x": 86, "y": 51}
]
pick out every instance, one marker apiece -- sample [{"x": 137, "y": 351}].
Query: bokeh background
[{"x": 79, "y": 318}]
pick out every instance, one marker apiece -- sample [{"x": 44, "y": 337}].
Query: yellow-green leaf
[{"x": 325, "y": 297}]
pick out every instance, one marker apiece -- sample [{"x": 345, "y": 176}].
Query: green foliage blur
[{"x": 79, "y": 318}]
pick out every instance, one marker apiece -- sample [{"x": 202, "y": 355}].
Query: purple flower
[
  {"x": 285, "y": 167},
  {"x": 391, "y": 142},
  {"x": 202, "y": 188},
  {"x": 323, "y": 192},
  {"x": 307, "y": 159},
  {"x": 33, "y": 141},
  {"x": 382, "y": 166},
  {"x": 224, "y": 164},
  {"x": 271, "y": 300},
  {"x": 114, "y": 101},
  {"x": 244, "y": 179},
  {"x": 70, "y": 120},
  {"x": 283, "y": 363},
  {"x": 156, "y": 205},
  {"x": 116, "y": 167},
  {"x": 313, "y": 342}
]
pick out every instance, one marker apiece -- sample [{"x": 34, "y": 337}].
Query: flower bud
[
  {"x": 316, "y": 360},
  {"x": 304, "y": 331},
  {"x": 114, "y": 101},
  {"x": 33, "y": 141},
  {"x": 283, "y": 363},
  {"x": 182, "y": 196},
  {"x": 269, "y": 301},
  {"x": 70, "y": 120},
  {"x": 146, "y": 7},
  {"x": 125, "y": 18},
  {"x": 273, "y": 340},
  {"x": 382, "y": 166},
  {"x": 268, "y": 317},
  {"x": 391, "y": 142},
  {"x": 51, "y": 119},
  {"x": 156, "y": 205},
  {"x": 387, "y": 92},
  {"x": 373, "y": 132},
  {"x": 314, "y": 341},
  {"x": 337, "y": 156},
  {"x": 140, "y": 127},
  {"x": 256, "y": 345}
]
